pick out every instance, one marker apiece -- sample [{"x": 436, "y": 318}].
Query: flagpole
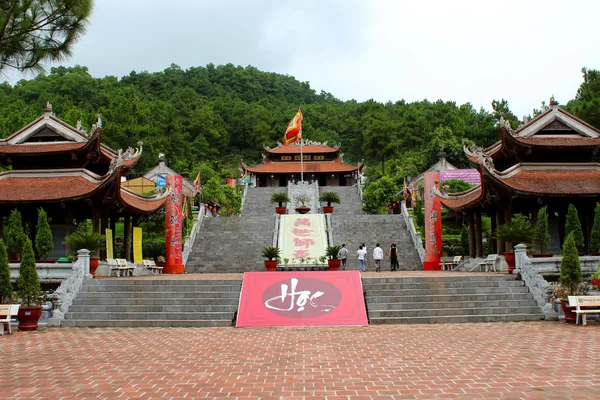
[{"x": 301, "y": 160}]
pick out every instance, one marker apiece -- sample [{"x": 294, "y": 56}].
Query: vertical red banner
[
  {"x": 173, "y": 226},
  {"x": 433, "y": 222}
]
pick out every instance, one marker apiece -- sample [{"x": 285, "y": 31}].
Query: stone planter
[
  {"x": 29, "y": 317},
  {"x": 327, "y": 210}
]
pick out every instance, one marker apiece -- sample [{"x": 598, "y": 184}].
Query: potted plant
[
  {"x": 301, "y": 200},
  {"x": 573, "y": 225},
  {"x": 271, "y": 254},
  {"x": 570, "y": 275},
  {"x": 333, "y": 262},
  {"x": 541, "y": 237},
  {"x": 595, "y": 234},
  {"x": 85, "y": 238},
  {"x": 43, "y": 238},
  {"x": 15, "y": 236},
  {"x": 160, "y": 261},
  {"x": 329, "y": 197},
  {"x": 520, "y": 231},
  {"x": 280, "y": 198},
  {"x": 6, "y": 289},
  {"x": 596, "y": 277},
  {"x": 29, "y": 290}
]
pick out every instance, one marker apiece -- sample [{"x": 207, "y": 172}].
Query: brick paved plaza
[{"x": 536, "y": 360}]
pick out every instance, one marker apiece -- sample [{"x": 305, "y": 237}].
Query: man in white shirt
[
  {"x": 377, "y": 257},
  {"x": 362, "y": 253}
]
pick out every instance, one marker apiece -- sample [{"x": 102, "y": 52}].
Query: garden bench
[
  {"x": 127, "y": 268},
  {"x": 116, "y": 267},
  {"x": 151, "y": 265},
  {"x": 7, "y": 312},
  {"x": 584, "y": 305},
  {"x": 449, "y": 263},
  {"x": 490, "y": 261}
]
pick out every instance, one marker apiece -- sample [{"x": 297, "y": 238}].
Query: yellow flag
[
  {"x": 137, "y": 246},
  {"x": 109, "y": 243}
]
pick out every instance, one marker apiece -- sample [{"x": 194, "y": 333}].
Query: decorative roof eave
[
  {"x": 130, "y": 156},
  {"x": 552, "y": 114},
  {"x": 308, "y": 147},
  {"x": 310, "y": 167},
  {"x": 140, "y": 204},
  {"x": 463, "y": 200},
  {"x": 473, "y": 153}
]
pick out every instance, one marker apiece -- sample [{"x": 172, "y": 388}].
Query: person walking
[
  {"x": 377, "y": 257},
  {"x": 362, "y": 253},
  {"x": 393, "y": 257},
  {"x": 342, "y": 255}
]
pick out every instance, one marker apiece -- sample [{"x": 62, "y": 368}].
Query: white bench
[
  {"x": 7, "y": 312},
  {"x": 151, "y": 265},
  {"x": 116, "y": 267},
  {"x": 126, "y": 267},
  {"x": 490, "y": 261},
  {"x": 591, "y": 304},
  {"x": 449, "y": 263}
]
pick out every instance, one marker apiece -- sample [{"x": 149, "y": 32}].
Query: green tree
[
  {"x": 15, "y": 236},
  {"x": 573, "y": 225},
  {"x": 541, "y": 236},
  {"x": 595, "y": 235},
  {"x": 419, "y": 215},
  {"x": 379, "y": 194},
  {"x": 213, "y": 191},
  {"x": 570, "y": 268},
  {"x": 379, "y": 143},
  {"x": 33, "y": 31},
  {"x": 233, "y": 201},
  {"x": 43, "y": 239},
  {"x": 29, "y": 281},
  {"x": 464, "y": 239},
  {"x": 5, "y": 285},
  {"x": 455, "y": 186}
]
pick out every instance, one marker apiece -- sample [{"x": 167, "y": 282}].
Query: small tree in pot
[
  {"x": 280, "y": 198},
  {"x": 573, "y": 225},
  {"x": 15, "y": 236},
  {"x": 6, "y": 288},
  {"x": 520, "y": 231},
  {"x": 329, "y": 197},
  {"x": 85, "y": 238},
  {"x": 541, "y": 236},
  {"x": 333, "y": 262},
  {"x": 595, "y": 235},
  {"x": 271, "y": 254},
  {"x": 570, "y": 274},
  {"x": 29, "y": 290},
  {"x": 43, "y": 239}
]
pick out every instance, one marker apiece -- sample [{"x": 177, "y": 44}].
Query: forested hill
[{"x": 210, "y": 117}]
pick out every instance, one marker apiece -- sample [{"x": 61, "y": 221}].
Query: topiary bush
[
  {"x": 541, "y": 236},
  {"x": 595, "y": 235},
  {"x": 29, "y": 281},
  {"x": 573, "y": 225},
  {"x": 570, "y": 268},
  {"x": 15, "y": 235},
  {"x": 6, "y": 288},
  {"x": 43, "y": 239}
]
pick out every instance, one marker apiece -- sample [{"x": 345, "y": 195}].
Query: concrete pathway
[{"x": 525, "y": 360}]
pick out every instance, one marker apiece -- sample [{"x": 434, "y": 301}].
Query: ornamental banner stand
[
  {"x": 173, "y": 226},
  {"x": 433, "y": 223}
]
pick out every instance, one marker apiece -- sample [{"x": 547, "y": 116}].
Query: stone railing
[
  {"x": 244, "y": 197},
  {"x": 329, "y": 229},
  {"x": 276, "y": 231},
  {"x": 189, "y": 240},
  {"x": 415, "y": 236},
  {"x": 46, "y": 271},
  {"x": 68, "y": 289},
  {"x": 542, "y": 291}
]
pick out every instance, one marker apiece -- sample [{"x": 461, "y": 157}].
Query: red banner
[
  {"x": 433, "y": 222},
  {"x": 173, "y": 226},
  {"x": 305, "y": 298}
]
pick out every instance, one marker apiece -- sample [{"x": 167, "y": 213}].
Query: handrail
[
  {"x": 329, "y": 229},
  {"x": 542, "y": 291},
  {"x": 67, "y": 291},
  {"x": 416, "y": 237},
  {"x": 244, "y": 197},
  {"x": 276, "y": 230},
  {"x": 189, "y": 240}
]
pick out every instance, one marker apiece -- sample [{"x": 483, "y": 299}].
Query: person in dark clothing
[{"x": 393, "y": 257}]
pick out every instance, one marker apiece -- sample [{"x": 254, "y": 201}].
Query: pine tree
[
  {"x": 15, "y": 236},
  {"x": 464, "y": 239},
  {"x": 570, "y": 268},
  {"x": 595, "y": 235},
  {"x": 43, "y": 239},
  {"x": 5, "y": 285},
  {"x": 29, "y": 281},
  {"x": 542, "y": 237},
  {"x": 573, "y": 225}
]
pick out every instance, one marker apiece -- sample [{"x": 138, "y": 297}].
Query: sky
[{"x": 387, "y": 50}]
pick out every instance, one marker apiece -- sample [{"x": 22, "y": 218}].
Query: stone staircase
[
  {"x": 449, "y": 299},
  {"x": 354, "y": 229},
  {"x": 258, "y": 201},
  {"x": 131, "y": 302},
  {"x": 231, "y": 244},
  {"x": 350, "y": 203}
]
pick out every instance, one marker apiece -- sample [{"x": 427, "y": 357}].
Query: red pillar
[
  {"x": 173, "y": 226},
  {"x": 433, "y": 223}
]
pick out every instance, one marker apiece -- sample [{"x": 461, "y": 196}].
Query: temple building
[
  {"x": 71, "y": 175},
  {"x": 320, "y": 163},
  {"x": 551, "y": 161}
]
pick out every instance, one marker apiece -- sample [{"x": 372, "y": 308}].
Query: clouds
[{"x": 464, "y": 51}]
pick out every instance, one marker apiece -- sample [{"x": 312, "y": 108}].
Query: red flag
[
  {"x": 294, "y": 129},
  {"x": 413, "y": 196},
  {"x": 405, "y": 190}
]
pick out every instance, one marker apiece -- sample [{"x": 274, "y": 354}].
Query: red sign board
[
  {"x": 304, "y": 298},
  {"x": 433, "y": 222}
]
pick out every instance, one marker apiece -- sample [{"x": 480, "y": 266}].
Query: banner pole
[{"x": 301, "y": 160}]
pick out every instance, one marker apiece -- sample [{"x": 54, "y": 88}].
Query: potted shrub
[
  {"x": 160, "y": 261},
  {"x": 520, "y": 231},
  {"x": 573, "y": 225},
  {"x": 541, "y": 237},
  {"x": 29, "y": 290},
  {"x": 570, "y": 275},
  {"x": 271, "y": 254},
  {"x": 6, "y": 289},
  {"x": 15, "y": 236},
  {"x": 301, "y": 200},
  {"x": 595, "y": 234},
  {"x": 596, "y": 277},
  {"x": 329, "y": 197},
  {"x": 85, "y": 238},
  {"x": 43, "y": 238},
  {"x": 333, "y": 262},
  {"x": 280, "y": 198}
]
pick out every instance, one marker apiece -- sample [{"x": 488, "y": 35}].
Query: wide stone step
[
  {"x": 163, "y": 282},
  {"x": 452, "y": 311},
  {"x": 451, "y": 304},
  {"x": 447, "y": 297},
  {"x": 157, "y": 294},
  {"x": 440, "y": 285},
  {"x": 162, "y": 288},
  {"x": 473, "y": 277},
  {"x": 147, "y": 323},
  {"x": 175, "y": 316},
  {"x": 153, "y": 308},
  {"x": 430, "y": 292},
  {"x": 458, "y": 319},
  {"x": 196, "y": 301}
]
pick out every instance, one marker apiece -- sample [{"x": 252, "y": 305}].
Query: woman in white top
[{"x": 362, "y": 253}]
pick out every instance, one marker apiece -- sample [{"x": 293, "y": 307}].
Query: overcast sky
[{"x": 464, "y": 51}]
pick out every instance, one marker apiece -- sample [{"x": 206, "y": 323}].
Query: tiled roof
[
  {"x": 295, "y": 149},
  {"x": 135, "y": 202},
  {"x": 540, "y": 140},
  {"x": 583, "y": 180},
  {"x": 39, "y": 148},
  {"x": 456, "y": 201},
  {"x": 309, "y": 167}
]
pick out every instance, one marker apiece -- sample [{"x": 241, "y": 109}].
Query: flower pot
[
  {"x": 29, "y": 317},
  {"x": 271, "y": 265},
  {"x": 327, "y": 210},
  {"x": 570, "y": 315},
  {"x": 510, "y": 260},
  {"x": 302, "y": 209},
  {"x": 596, "y": 282},
  {"x": 280, "y": 210},
  {"x": 334, "y": 264},
  {"x": 94, "y": 265}
]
